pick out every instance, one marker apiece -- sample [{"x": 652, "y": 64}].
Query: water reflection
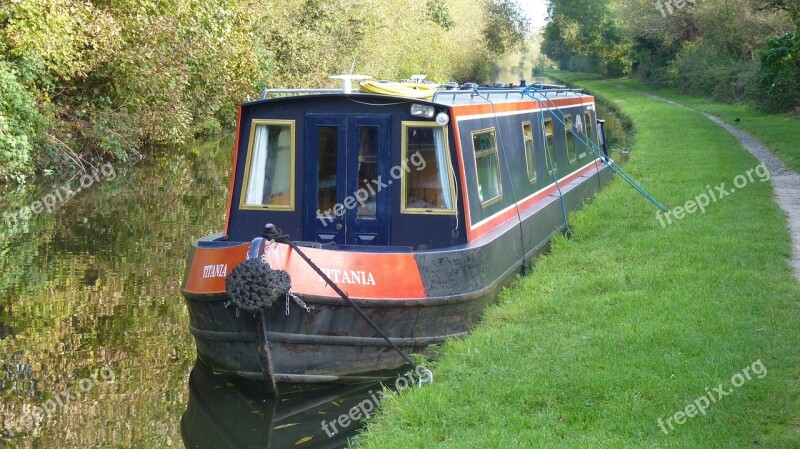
[
  {"x": 237, "y": 414},
  {"x": 96, "y": 284}
]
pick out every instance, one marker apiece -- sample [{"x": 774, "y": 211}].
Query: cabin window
[
  {"x": 550, "y": 145},
  {"x": 269, "y": 171},
  {"x": 327, "y": 166},
  {"x": 367, "y": 170},
  {"x": 530, "y": 156},
  {"x": 487, "y": 166},
  {"x": 427, "y": 180},
  {"x": 569, "y": 138},
  {"x": 589, "y": 128}
]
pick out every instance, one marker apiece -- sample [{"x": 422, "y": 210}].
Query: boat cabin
[{"x": 387, "y": 173}]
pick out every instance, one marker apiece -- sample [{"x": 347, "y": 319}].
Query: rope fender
[{"x": 254, "y": 286}]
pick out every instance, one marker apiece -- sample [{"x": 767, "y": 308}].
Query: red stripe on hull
[
  {"x": 233, "y": 175},
  {"x": 510, "y": 212},
  {"x": 464, "y": 111},
  {"x": 360, "y": 275}
]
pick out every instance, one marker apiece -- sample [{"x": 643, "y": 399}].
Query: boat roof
[
  {"x": 502, "y": 95},
  {"x": 452, "y": 97}
]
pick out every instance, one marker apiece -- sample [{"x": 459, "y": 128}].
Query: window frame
[
  {"x": 569, "y": 138},
  {"x": 484, "y": 153},
  {"x": 255, "y": 123},
  {"x": 530, "y": 164},
  {"x": 549, "y": 148},
  {"x": 404, "y": 157},
  {"x": 589, "y": 131}
]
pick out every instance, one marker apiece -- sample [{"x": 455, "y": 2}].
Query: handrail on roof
[
  {"x": 267, "y": 92},
  {"x": 491, "y": 91},
  {"x": 486, "y": 92}
]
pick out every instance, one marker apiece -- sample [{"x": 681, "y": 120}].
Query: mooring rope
[
  {"x": 275, "y": 234},
  {"x": 553, "y": 170},
  {"x": 592, "y": 147},
  {"x": 508, "y": 169}
]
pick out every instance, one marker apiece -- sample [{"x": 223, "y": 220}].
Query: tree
[
  {"x": 586, "y": 36},
  {"x": 506, "y": 26},
  {"x": 439, "y": 14},
  {"x": 780, "y": 73},
  {"x": 792, "y": 7}
]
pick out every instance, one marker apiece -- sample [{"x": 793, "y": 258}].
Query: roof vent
[{"x": 347, "y": 81}]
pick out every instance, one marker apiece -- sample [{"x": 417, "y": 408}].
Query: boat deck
[{"x": 451, "y": 97}]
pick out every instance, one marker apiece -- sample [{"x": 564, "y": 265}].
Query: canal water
[{"x": 94, "y": 346}]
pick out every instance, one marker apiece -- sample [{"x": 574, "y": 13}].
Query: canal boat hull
[{"x": 331, "y": 342}]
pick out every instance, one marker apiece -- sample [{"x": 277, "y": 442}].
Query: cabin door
[{"x": 347, "y": 179}]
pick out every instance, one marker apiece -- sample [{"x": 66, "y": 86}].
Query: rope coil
[{"x": 408, "y": 90}]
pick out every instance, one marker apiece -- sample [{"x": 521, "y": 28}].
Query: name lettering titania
[{"x": 349, "y": 276}]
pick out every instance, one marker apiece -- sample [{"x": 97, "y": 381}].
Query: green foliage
[
  {"x": 506, "y": 26},
  {"x": 709, "y": 48},
  {"x": 439, "y": 13},
  {"x": 20, "y": 125},
  {"x": 586, "y": 37},
  {"x": 702, "y": 69},
  {"x": 116, "y": 77},
  {"x": 779, "y": 73},
  {"x": 792, "y": 7}
]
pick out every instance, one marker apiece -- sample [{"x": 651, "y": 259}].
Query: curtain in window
[
  {"x": 492, "y": 175},
  {"x": 258, "y": 166},
  {"x": 442, "y": 163}
]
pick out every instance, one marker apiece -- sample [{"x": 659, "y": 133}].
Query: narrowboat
[{"x": 420, "y": 203}]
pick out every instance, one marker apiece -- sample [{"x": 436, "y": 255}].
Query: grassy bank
[
  {"x": 777, "y": 131},
  {"x": 630, "y": 322}
]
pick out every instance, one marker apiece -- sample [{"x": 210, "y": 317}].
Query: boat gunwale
[{"x": 433, "y": 301}]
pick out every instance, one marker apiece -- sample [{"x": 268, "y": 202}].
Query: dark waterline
[{"x": 94, "y": 331}]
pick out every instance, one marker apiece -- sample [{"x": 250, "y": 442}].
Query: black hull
[
  {"x": 332, "y": 343},
  {"x": 335, "y": 344}
]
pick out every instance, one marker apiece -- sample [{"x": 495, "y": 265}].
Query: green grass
[
  {"x": 629, "y": 322},
  {"x": 778, "y": 132}
]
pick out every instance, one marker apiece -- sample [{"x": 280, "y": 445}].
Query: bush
[
  {"x": 779, "y": 73},
  {"x": 20, "y": 126},
  {"x": 700, "y": 69}
]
